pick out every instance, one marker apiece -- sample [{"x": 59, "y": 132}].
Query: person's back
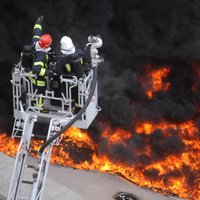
[
  {"x": 72, "y": 64},
  {"x": 78, "y": 62},
  {"x": 27, "y": 57},
  {"x": 71, "y": 61}
]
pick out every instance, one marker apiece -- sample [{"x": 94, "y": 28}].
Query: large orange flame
[
  {"x": 171, "y": 173},
  {"x": 174, "y": 173},
  {"x": 156, "y": 79}
]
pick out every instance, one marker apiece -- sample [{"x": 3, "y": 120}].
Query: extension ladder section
[{"x": 29, "y": 176}]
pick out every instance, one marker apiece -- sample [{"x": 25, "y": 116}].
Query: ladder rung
[
  {"x": 30, "y": 166},
  {"x": 39, "y": 136},
  {"x": 23, "y": 198},
  {"x": 27, "y": 182},
  {"x": 33, "y": 151}
]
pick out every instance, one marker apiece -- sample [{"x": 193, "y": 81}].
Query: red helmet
[{"x": 45, "y": 41}]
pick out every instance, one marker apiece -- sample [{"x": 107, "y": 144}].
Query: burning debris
[{"x": 175, "y": 174}]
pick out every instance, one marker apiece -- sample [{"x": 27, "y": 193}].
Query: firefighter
[
  {"x": 40, "y": 67},
  {"x": 27, "y": 57},
  {"x": 74, "y": 62}
]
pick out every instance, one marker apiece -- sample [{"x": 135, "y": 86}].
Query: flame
[
  {"x": 8, "y": 146},
  {"x": 118, "y": 136},
  {"x": 171, "y": 174},
  {"x": 156, "y": 78}
]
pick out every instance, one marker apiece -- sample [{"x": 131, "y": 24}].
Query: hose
[{"x": 78, "y": 115}]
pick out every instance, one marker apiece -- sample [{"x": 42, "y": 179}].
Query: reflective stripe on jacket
[
  {"x": 40, "y": 64},
  {"x": 37, "y": 32},
  {"x": 40, "y": 83}
]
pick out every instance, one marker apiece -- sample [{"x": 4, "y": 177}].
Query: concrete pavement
[{"x": 65, "y": 183}]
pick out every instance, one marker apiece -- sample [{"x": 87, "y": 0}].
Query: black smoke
[{"x": 135, "y": 33}]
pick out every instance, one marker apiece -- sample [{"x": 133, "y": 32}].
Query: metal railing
[{"x": 24, "y": 93}]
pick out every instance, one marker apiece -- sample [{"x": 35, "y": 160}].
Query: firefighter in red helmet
[
  {"x": 41, "y": 47},
  {"x": 45, "y": 41}
]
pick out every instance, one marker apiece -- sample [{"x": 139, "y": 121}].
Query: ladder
[{"x": 28, "y": 179}]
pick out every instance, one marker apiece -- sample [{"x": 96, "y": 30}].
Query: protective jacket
[
  {"x": 74, "y": 64},
  {"x": 40, "y": 64},
  {"x": 27, "y": 57},
  {"x": 40, "y": 58},
  {"x": 37, "y": 32}
]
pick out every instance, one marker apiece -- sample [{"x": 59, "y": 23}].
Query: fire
[
  {"x": 119, "y": 136},
  {"x": 172, "y": 174},
  {"x": 8, "y": 146},
  {"x": 156, "y": 78},
  {"x": 163, "y": 156},
  {"x": 185, "y": 165}
]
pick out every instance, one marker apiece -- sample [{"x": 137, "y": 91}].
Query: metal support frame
[
  {"x": 26, "y": 115},
  {"x": 38, "y": 179},
  {"x": 21, "y": 157},
  {"x": 43, "y": 163},
  {"x": 24, "y": 96}
]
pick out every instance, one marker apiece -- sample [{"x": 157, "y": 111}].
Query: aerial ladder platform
[{"x": 28, "y": 178}]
